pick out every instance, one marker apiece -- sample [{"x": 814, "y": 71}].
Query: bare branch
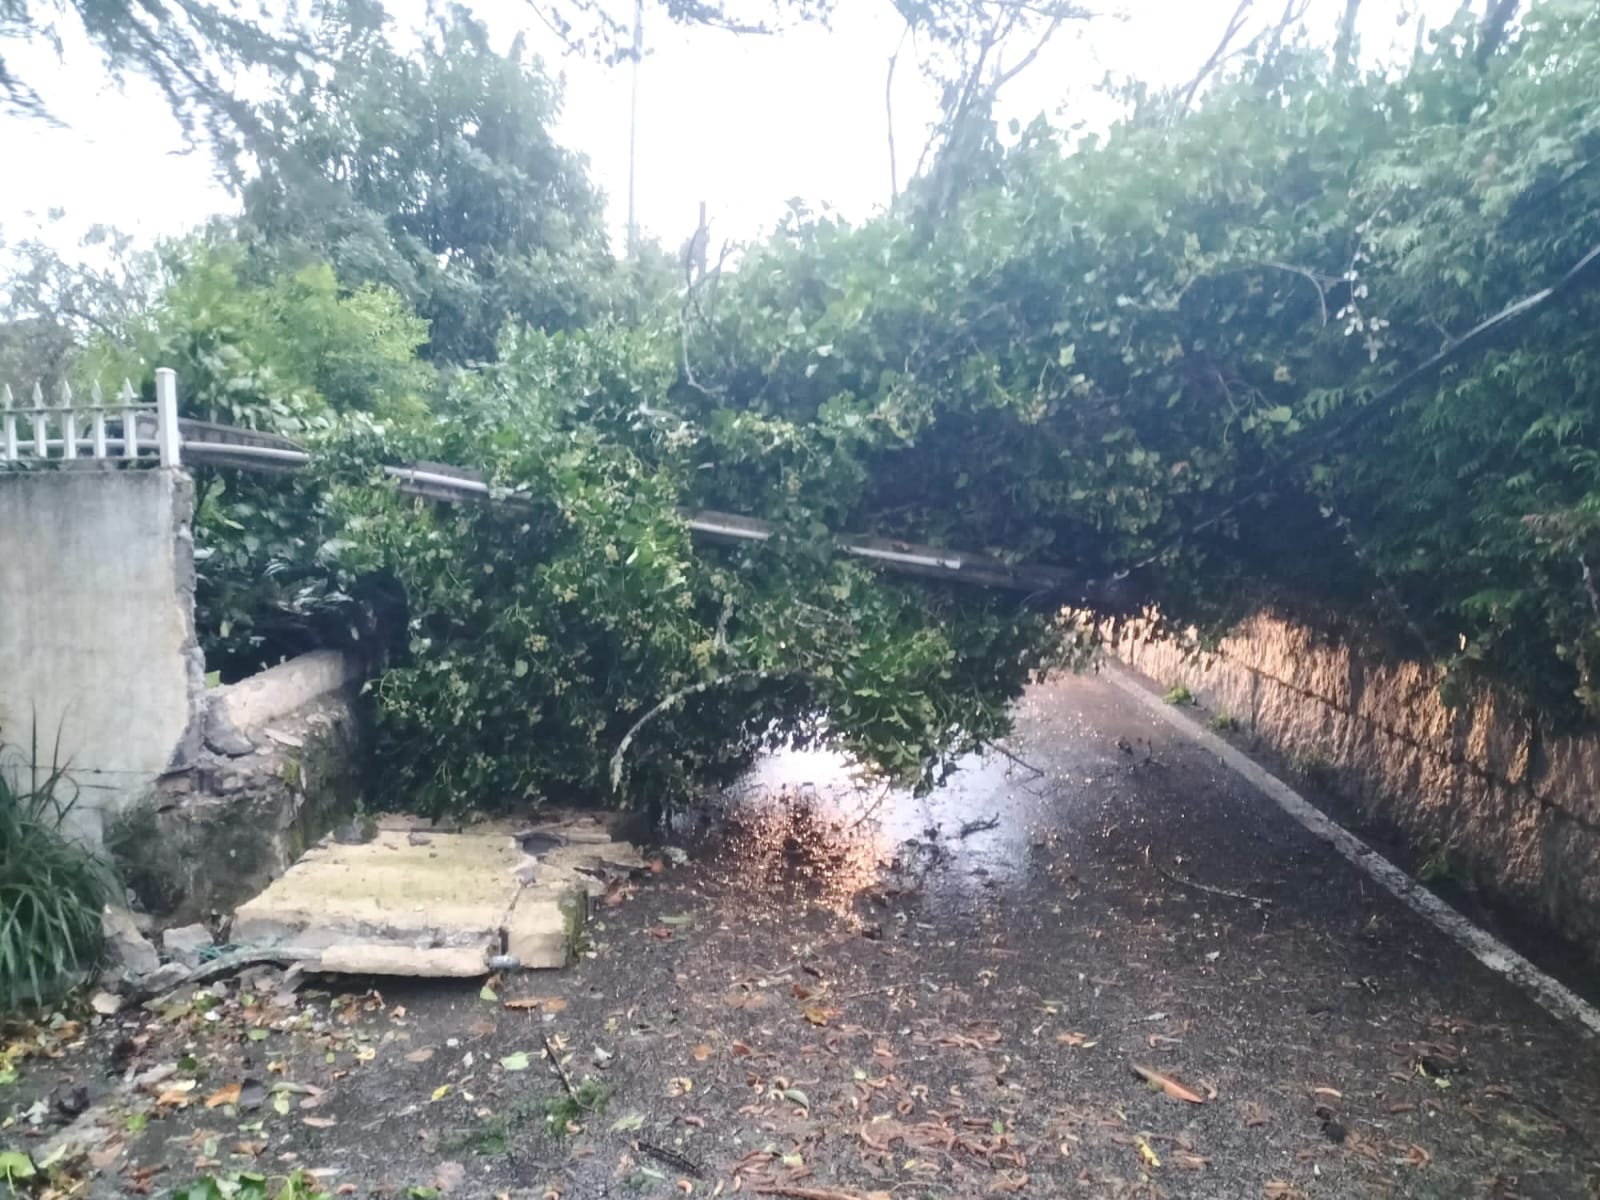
[
  {"x": 667, "y": 703},
  {"x": 1218, "y": 56},
  {"x": 888, "y": 105}
]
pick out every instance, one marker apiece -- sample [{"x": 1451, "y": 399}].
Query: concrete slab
[{"x": 418, "y": 901}]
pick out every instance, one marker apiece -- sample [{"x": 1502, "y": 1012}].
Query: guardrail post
[{"x": 167, "y": 416}]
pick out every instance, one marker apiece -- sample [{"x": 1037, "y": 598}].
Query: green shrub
[{"x": 52, "y": 889}]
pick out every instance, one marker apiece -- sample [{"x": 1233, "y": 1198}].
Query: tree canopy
[{"x": 435, "y": 174}]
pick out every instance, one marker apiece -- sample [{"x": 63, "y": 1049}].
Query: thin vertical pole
[
  {"x": 633, "y": 129},
  {"x": 97, "y": 419},
  {"x": 130, "y": 422},
  {"x": 10, "y": 423},
  {"x": 69, "y": 423},
  {"x": 167, "y": 416},
  {"x": 41, "y": 423}
]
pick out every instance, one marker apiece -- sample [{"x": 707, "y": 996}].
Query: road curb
[{"x": 1549, "y": 993}]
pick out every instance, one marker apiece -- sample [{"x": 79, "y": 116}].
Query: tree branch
[
  {"x": 1218, "y": 56},
  {"x": 664, "y": 705}
]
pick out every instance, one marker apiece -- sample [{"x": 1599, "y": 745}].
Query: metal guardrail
[{"x": 141, "y": 431}]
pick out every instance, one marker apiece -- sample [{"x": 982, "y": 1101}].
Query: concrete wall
[
  {"x": 1516, "y": 805},
  {"x": 97, "y": 629}
]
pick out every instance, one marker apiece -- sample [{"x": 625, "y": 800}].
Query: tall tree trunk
[
  {"x": 1492, "y": 30},
  {"x": 1344, "y": 48}
]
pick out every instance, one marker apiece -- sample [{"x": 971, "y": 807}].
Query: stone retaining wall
[
  {"x": 282, "y": 760},
  {"x": 1515, "y": 807}
]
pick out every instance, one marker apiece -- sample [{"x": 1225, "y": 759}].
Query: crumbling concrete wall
[
  {"x": 282, "y": 759},
  {"x": 1515, "y": 805},
  {"x": 97, "y": 641}
]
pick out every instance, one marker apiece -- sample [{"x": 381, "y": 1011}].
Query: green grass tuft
[{"x": 52, "y": 889}]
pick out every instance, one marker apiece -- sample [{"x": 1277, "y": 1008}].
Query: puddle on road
[{"x": 803, "y": 828}]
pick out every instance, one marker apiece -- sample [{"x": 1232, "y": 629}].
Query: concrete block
[
  {"x": 542, "y": 928},
  {"x": 185, "y": 944},
  {"x": 386, "y": 958},
  {"x": 129, "y": 955},
  {"x": 278, "y": 691}
]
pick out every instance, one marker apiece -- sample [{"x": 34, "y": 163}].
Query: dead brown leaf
[
  {"x": 420, "y": 1056},
  {"x": 702, "y": 1052},
  {"x": 226, "y": 1095},
  {"x": 319, "y": 1122},
  {"x": 549, "y": 1004},
  {"x": 1167, "y": 1084}
]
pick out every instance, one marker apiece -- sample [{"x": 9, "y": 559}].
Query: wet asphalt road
[{"x": 844, "y": 994}]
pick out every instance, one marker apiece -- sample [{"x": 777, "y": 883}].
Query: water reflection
[{"x": 803, "y": 828}]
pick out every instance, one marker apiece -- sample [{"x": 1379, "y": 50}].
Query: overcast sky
[{"x": 742, "y": 123}]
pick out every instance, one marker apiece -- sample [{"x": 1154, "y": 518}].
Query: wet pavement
[{"x": 827, "y": 992}]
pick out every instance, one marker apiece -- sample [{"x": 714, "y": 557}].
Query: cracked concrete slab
[{"x": 414, "y": 900}]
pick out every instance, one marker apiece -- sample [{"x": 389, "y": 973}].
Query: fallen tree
[{"x": 1262, "y": 345}]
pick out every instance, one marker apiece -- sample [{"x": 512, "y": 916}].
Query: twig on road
[
  {"x": 561, "y": 1072},
  {"x": 678, "y": 1162},
  {"x": 1214, "y": 891},
  {"x": 1021, "y": 762},
  {"x": 968, "y": 828}
]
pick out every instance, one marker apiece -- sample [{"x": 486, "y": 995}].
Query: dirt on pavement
[{"x": 1096, "y": 964}]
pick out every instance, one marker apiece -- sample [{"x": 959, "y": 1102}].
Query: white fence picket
[
  {"x": 8, "y": 424},
  {"x": 41, "y": 423}
]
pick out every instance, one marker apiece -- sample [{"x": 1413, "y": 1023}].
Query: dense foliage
[
  {"x": 1170, "y": 357},
  {"x": 434, "y": 174}
]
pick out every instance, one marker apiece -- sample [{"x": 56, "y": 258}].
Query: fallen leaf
[
  {"x": 740, "y": 1050},
  {"x": 1167, "y": 1084},
  {"x": 420, "y": 1056},
  {"x": 1327, "y": 1091},
  {"x": 449, "y": 1176},
  {"x": 176, "y": 1096},
  {"x": 227, "y": 1095},
  {"x": 549, "y": 1004},
  {"x": 515, "y": 1062},
  {"x": 702, "y": 1052},
  {"x": 440, "y": 1092},
  {"x": 817, "y": 1015},
  {"x": 627, "y": 1124},
  {"x": 1076, "y": 1040},
  {"x": 489, "y": 994},
  {"x": 1146, "y": 1153},
  {"x": 319, "y": 1122}
]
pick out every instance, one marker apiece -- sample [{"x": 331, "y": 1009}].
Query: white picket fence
[{"x": 124, "y": 428}]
